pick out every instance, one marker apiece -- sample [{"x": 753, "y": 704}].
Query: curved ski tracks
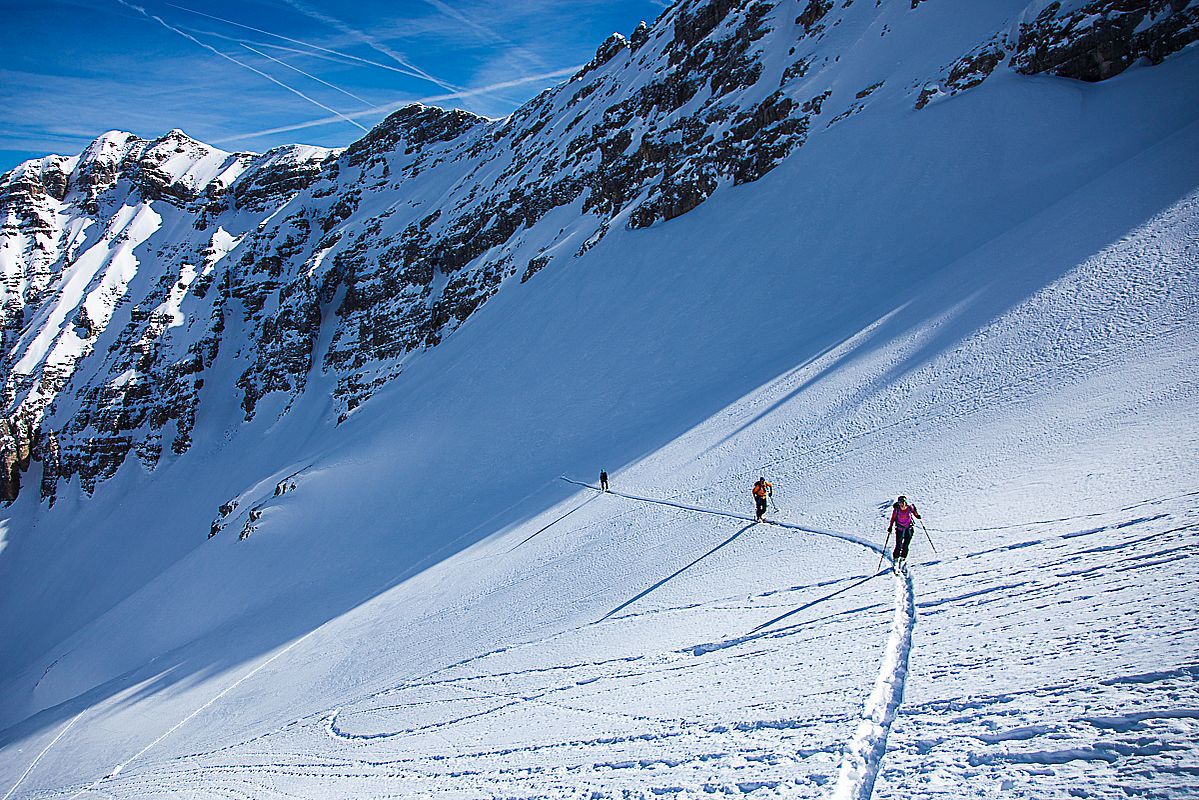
[{"x": 862, "y": 757}]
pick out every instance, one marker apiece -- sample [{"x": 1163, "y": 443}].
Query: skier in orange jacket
[{"x": 761, "y": 491}]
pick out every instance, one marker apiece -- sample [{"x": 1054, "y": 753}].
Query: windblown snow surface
[{"x": 989, "y": 305}]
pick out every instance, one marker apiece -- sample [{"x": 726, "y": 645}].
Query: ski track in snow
[
  {"x": 864, "y": 754},
  {"x": 1121, "y": 726},
  {"x": 45, "y": 750}
]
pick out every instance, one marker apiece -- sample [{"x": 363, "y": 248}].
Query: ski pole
[
  {"x": 776, "y": 508},
  {"x": 930, "y": 539},
  {"x": 883, "y": 554}
]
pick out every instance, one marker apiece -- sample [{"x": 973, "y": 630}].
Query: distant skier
[
  {"x": 603, "y": 480},
  {"x": 903, "y": 522},
  {"x": 762, "y": 490}
]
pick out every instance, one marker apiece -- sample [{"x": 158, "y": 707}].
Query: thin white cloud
[
  {"x": 37, "y": 143},
  {"x": 242, "y": 64},
  {"x": 387, "y": 109}
]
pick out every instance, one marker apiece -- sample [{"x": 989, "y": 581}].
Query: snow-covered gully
[{"x": 862, "y": 757}]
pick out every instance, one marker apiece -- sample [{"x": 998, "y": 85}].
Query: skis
[{"x": 900, "y": 566}]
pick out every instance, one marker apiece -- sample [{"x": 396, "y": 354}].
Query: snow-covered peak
[
  {"x": 611, "y": 47},
  {"x": 181, "y": 168},
  {"x": 110, "y": 146},
  {"x": 411, "y": 128},
  {"x": 101, "y": 162}
]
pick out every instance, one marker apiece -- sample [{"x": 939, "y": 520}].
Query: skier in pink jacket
[{"x": 903, "y": 522}]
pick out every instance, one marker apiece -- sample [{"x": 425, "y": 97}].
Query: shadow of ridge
[
  {"x": 676, "y": 573},
  {"x": 1095, "y": 227},
  {"x": 146, "y": 677},
  {"x": 820, "y": 600},
  {"x": 838, "y": 354}
]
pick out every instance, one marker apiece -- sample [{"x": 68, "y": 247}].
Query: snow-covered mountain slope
[
  {"x": 988, "y": 304},
  {"x": 124, "y": 266}
]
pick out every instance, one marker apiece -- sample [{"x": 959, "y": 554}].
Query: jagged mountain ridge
[{"x": 132, "y": 269}]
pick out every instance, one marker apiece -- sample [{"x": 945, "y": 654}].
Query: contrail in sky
[
  {"x": 370, "y": 42},
  {"x": 486, "y": 32},
  {"x": 283, "y": 63},
  {"x": 332, "y": 55},
  {"x": 336, "y": 59},
  {"x": 227, "y": 57},
  {"x": 561, "y": 73},
  {"x": 454, "y": 13},
  {"x": 409, "y": 72}
]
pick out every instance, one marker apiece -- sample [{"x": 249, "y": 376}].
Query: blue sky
[{"x": 72, "y": 69}]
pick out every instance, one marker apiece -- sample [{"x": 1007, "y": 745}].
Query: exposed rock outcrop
[
  {"x": 142, "y": 273},
  {"x": 1094, "y": 41}
]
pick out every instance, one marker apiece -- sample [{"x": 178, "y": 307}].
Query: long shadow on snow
[
  {"x": 820, "y": 600},
  {"x": 676, "y": 573}
]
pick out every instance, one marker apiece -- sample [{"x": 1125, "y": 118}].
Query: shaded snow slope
[{"x": 989, "y": 305}]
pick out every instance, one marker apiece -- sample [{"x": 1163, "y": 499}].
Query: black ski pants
[
  {"x": 760, "y": 504},
  {"x": 903, "y": 539}
]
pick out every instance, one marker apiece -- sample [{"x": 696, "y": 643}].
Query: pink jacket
[{"x": 902, "y": 517}]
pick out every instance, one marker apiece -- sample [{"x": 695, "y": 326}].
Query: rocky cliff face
[
  {"x": 1094, "y": 41},
  {"x": 136, "y": 271}
]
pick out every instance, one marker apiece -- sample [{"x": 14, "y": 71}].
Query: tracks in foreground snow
[{"x": 863, "y": 754}]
